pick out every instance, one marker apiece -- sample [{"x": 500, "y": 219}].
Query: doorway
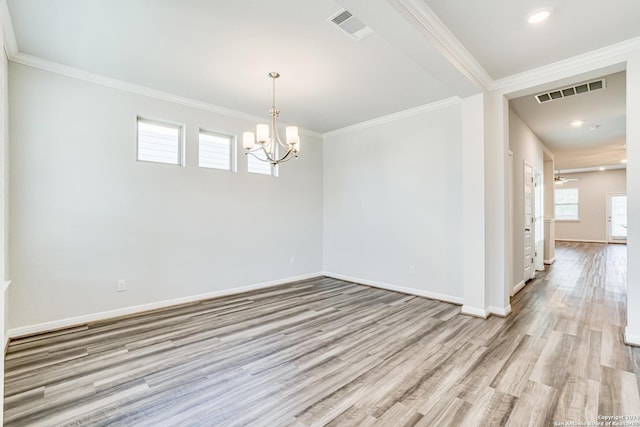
[{"x": 616, "y": 218}]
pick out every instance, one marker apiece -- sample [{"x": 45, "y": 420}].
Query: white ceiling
[
  {"x": 220, "y": 52},
  {"x": 497, "y": 34},
  {"x": 582, "y": 146}
]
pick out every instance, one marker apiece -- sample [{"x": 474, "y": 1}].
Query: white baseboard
[
  {"x": 79, "y": 320},
  {"x": 474, "y": 311},
  {"x": 631, "y": 339},
  {"x": 500, "y": 311},
  {"x": 549, "y": 261},
  {"x": 518, "y": 287},
  {"x": 581, "y": 240},
  {"x": 5, "y": 286},
  {"x": 401, "y": 289}
]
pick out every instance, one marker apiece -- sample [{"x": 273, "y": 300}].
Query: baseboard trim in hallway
[
  {"x": 402, "y": 289},
  {"x": 518, "y": 287},
  {"x": 474, "y": 311}
]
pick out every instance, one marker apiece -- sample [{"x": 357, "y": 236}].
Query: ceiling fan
[{"x": 562, "y": 179}]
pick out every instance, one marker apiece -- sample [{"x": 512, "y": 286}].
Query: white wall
[
  {"x": 632, "y": 332},
  {"x": 392, "y": 199},
  {"x": 85, "y": 213},
  {"x": 473, "y": 252},
  {"x": 4, "y": 140},
  {"x": 496, "y": 199},
  {"x": 526, "y": 147},
  {"x": 592, "y": 192}
]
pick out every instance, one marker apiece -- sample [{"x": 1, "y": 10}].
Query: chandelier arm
[
  {"x": 258, "y": 148},
  {"x": 273, "y": 137},
  {"x": 253, "y": 150},
  {"x": 271, "y": 156},
  {"x": 253, "y": 154},
  {"x": 290, "y": 155},
  {"x": 277, "y": 136},
  {"x": 268, "y": 159}
]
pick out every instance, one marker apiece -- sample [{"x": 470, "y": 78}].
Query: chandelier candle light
[{"x": 268, "y": 138}]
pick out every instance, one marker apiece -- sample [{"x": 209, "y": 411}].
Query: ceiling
[
  {"x": 497, "y": 34},
  {"x": 220, "y": 52},
  {"x": 598, "y": 141}
]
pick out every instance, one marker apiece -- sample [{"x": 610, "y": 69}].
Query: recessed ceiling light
[
  {"x": 577, "y": 123},
  {"x": 539, "y": 16},
  {"x": 623, "y": 161},
  {"x": 602, "y": 168}
]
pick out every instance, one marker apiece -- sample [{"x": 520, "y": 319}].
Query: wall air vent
[
  {"x": 351, "y": 25},
  {"x": 570, "y": 91}
]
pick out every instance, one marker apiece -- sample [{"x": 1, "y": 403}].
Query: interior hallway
[{"x": 328, "y": 352}]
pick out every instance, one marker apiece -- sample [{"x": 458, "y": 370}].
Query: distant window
[
  {"x": 261, "y": 166},
  {"x": 159, "y": 142},
  {"x": 216, "y": 150},
  {"x": 566, "y": 204}
]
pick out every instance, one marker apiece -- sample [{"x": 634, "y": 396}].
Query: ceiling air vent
[
  {"x": 351, "y": 25},
  {"x": 570, "y": 91}
]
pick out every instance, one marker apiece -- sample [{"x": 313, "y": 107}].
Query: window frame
[
  {"x": 167, "y": 124},
  {"x": 576, "y": 204},
  {"x": 233, "y": 143}
]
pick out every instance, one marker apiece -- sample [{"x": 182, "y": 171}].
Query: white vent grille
[
  {"x": 570, "y": 91},
  {"x": 341, "y": 17},
  {"x": 351, "y": 25}
]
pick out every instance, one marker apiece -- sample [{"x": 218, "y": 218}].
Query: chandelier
[{"x": 268, "y": 139}]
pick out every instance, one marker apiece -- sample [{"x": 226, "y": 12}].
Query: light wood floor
[{"x": 327, "y": 352}]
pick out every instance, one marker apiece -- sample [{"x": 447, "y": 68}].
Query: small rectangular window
[
  {"x": 566, "y": 204},
  {"x": 160, "y": 142},
  {"x": 216, "y": 150},
  {"x": 261, "y": 166}
]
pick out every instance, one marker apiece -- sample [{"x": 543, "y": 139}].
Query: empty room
[{"x": 330, "y": 212}]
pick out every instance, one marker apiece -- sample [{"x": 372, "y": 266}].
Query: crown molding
[
  {"x": 98, "y": 79},
  {"x": 590, "y": 169},
  {"x": 9, "y": 35},
  {"x": 437, "y": 105},
  {"x": 608, "y": 56},
  {"x": 446, "y": 43}
]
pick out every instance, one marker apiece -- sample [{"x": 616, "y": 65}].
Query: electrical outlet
[
  {"x": 412, "y": 269},
  {"x": 122, "y": 285},
  {"x": 292, "y": 261}
]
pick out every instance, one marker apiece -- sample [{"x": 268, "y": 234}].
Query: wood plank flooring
[{"x": 328, "y": 352}]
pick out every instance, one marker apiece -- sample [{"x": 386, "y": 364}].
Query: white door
[
  {"x": 538, "y": 222},
  {"x": 617, "y": 217},
  {"x": 529, "y": 232}
]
